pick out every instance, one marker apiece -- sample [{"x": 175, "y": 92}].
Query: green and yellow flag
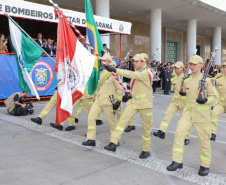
[{"x": 93, "y": 36}]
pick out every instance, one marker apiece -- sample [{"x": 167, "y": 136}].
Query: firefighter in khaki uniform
[
  {"x": 131, "y": 125},
  {"x": 178, "y": 103},
  {"x": 87, "y": 101},
  {"x": 220, "y": 107},
  {"x": 141, "y": 101},
  {"x": 197, "y": 115},
  {"x": 107, "y": 88},
  {"x": 50, "y": 105}
]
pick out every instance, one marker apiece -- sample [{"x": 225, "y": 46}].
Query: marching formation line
[{"x": 152, "y": 162}]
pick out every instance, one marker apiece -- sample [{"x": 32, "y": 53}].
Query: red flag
[{"x": 74, "y": 66}]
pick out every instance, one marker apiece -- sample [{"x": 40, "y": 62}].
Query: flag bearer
[
  {"x": 141, "y": 101},
  {"x": 197, "y": 115},
  {"x": 107, "y": 89},
  {"x": 220, "y": 107},
  {"x": 178, "y": 103},
  {"x": 87, "y": 101}
]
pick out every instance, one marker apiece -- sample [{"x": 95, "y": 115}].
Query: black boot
[
  {"x": 37, "y": 120},
  {"x": 186, "y": 141},
  {"x": 58, "y": 127},
  {"x": 89, "y": 143},
  {"x": 76, "y": 120},
  {"x": 99, "y": 122},
  {"x": 111, "y": 147},
  {"x": 174, "y": 166},
  {"x": 129, "y": 128},
  {"x": 203, "y": 171},
  {"x": 213, "y": 137},
  {"x": 144, "y": 155},
  {"x": 159, "y": 134},
  {"x": 70, "y": 128}
]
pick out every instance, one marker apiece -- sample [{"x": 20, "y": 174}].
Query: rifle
[
  {"x": 182, "y": 89},
  {"x": 152, "y": 57},
  {"x": 112, "y": 99},
  {"x": 202, "y": 95},
  {"x": 127, "y": 54}
]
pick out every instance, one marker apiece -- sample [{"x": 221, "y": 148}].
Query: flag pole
[
  {"x": 28, "y": 36},
  {"x": 88, "y": 44}
]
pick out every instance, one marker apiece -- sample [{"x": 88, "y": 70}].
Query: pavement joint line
[
  {"x": 217, "y": 141},
  {"x": 219, "y": 120},
  {"x": 153, "y": 163},
  {"x": 92, "y": 173}
]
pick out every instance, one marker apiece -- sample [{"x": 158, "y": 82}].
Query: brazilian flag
[{"x": 93, "y": 36}]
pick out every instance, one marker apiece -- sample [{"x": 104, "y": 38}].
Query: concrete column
[
  {"x": 215, "y": 41},
  {"x": 191, "y": 38},
  {"x": 156, "y": 33},
  {"x": 103, "y": 10}
]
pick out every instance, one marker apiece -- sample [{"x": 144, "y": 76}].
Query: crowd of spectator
[{"x": 48, "y": 44}]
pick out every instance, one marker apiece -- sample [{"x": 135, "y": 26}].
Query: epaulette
[
  {"x": 173, "y": 77},
  {"x": 187, "y": 78},
  {"x": 219, "y": 76}
]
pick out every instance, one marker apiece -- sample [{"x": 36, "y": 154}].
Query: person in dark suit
[
  {"x": 168, "y": 75},
  {"x": 48, "y": 46},
  {"x": 40, "y": 41},
  {"x": 162, "y": 75},
  {"x": 54, "y": 50}
]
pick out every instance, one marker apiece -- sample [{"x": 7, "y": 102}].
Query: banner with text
[{"x": 28, "y": 10}]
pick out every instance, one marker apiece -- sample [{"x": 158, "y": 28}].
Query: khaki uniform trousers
[
  {"x": 203, "y": 132},
  {"x": 79, "y": 111},
  {"x": 87, "y": 103},
  {"x": 217, "y": 110},
  {"x": 94, "y": 113},
  {"x": 130, "y": 112},
  {"x": 119, "y": 114},
  {"x": 50, "y": 105},
  {"x": 171, "y": 110}
]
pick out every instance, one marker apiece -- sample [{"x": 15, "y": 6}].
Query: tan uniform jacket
[
  {"x": 221, "y": 87},
  {"x": 9, "y": 102},
  {"x": 142, "y": 88},
  {"x": 193, "y": 110},
  {"x": 176, "y": 85},
  {"x": 110, "y": 87}
]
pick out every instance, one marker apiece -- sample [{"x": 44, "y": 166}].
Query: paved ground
[{"x": 33, "y": 154}]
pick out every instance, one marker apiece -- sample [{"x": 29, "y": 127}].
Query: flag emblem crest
[{"x": 42, "y": 75}]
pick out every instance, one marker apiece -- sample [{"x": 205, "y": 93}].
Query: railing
[{"x": 43, "y": 55}]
